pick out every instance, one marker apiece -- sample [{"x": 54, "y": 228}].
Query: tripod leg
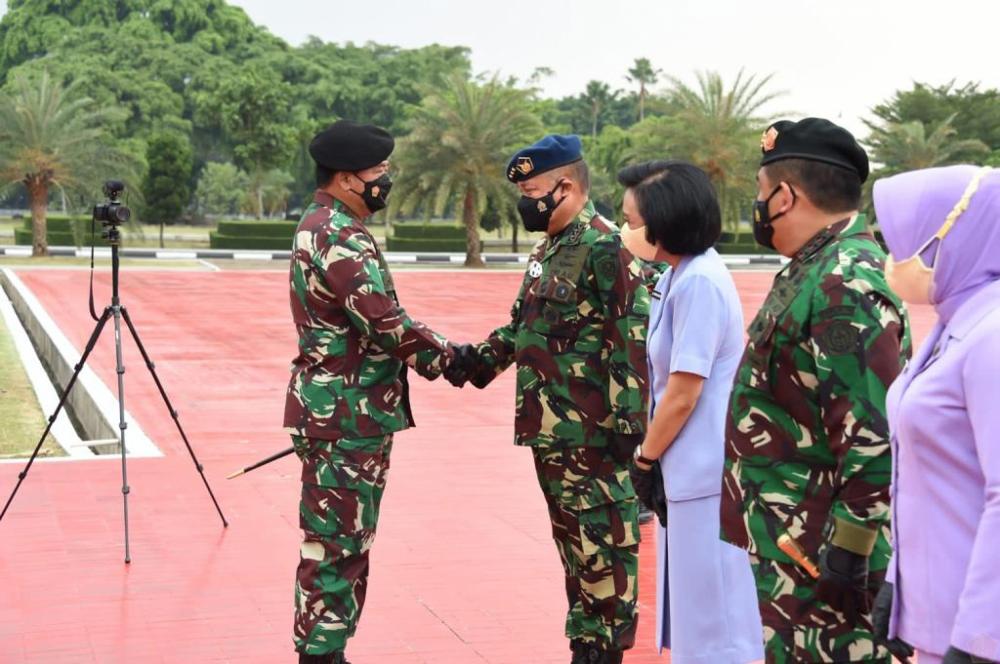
[
  {"x": 62, "y": 401},
  {"x": 172, "y": 411},
  {"x": 122, "y": 425}
]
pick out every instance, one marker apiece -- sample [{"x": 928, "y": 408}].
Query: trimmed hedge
[
  {"x": 253, "y": 234},
  {"x": 60, "y": 231},
  {"x": 743, "y": 247},
  {"x": 24, "y": 237},
  {"x": 428, "y": 232},
  {"x": 280, "y": 229},
  {"x": 217, "y": 241},
  {"x": 430, "y": 238}
]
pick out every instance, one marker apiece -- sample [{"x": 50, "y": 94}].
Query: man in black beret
[
  {"x": 348, "y": 391},
  {"x": 806, "y": 482}
]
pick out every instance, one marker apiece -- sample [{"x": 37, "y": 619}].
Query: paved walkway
[{"x": 464, "y": 571}]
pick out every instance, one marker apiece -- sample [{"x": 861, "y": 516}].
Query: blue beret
[{"x": 550, "y": 152}]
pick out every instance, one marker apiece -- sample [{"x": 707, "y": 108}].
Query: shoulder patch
[
  {"x": 839, "y": 338},
  {"x": 607, "y": 266}
]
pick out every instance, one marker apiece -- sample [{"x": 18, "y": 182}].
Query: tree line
[{"x": 204, "y": 113}]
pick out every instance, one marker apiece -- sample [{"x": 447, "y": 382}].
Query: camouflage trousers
[
  {"x": 595, "y": 524},
  {"x": 342, "y": 486},
  {"x": 801, "y": 629}
]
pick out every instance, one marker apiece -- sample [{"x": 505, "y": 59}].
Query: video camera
[{"x": 112, "y": 212}]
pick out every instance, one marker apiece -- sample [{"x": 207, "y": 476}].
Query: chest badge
[{"x": 535, "y": 269}]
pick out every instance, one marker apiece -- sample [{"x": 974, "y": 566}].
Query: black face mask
[
  {"x": 763, "y": 228},
  {"x": 375, "y": 192},
  {"x": 536, "y": 212}
]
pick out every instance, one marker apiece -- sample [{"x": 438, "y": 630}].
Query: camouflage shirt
[
  {"x": 807, "y": 441},
  {"x": 578, "y": 335},
  {"x": 348, "y": 379}
]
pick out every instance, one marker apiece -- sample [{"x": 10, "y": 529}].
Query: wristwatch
[{"x": 639, "y": 459}]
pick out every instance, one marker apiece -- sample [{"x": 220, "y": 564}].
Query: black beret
[
  {"x": 549, "y": 153},
  {"x": 349, "y": 146},
  {"x": 813, "y": 139}
]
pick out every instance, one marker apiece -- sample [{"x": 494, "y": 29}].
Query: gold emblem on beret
[
  {"x": 524, "y": 165},
  {"x": 768, "y": 139}
]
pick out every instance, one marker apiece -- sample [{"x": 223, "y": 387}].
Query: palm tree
[
  {"x": 717, "y": 127},
  {"x": 52, "y": 137},
  {"x": 598, "y": 97},
  {"x": 462, "y": 136},
  {"x": 908, "y": 146},
  {"x": 643, "y": 74}
]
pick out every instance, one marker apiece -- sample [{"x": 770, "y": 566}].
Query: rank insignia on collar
[
  {"x": 524, "y": 165},
  {"x": 535, "y": 270}
]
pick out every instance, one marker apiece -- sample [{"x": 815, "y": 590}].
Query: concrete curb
[
  {"x": 93, "y": 403},
  {"x": 734, "y": 260},
  {"x": 62, "y": 429}
]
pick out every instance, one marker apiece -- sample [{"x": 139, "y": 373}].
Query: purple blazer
[{"x": 944, "y": 413}]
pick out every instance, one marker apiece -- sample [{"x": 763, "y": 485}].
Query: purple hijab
[{"x": 911, "y": 207}]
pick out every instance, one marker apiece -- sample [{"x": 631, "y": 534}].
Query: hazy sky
[{"x": 834, "y": 58}]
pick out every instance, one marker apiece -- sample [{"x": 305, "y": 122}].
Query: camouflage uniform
[
  {"x": 577, "y": 333},
  {"x": 347, "y": 395},
  {"x": 807, "y": 442}
]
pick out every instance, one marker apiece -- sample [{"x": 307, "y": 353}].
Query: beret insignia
[{"x": 768, "y": 139}]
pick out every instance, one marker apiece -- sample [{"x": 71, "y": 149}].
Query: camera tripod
[{"x": 116, "y": 312}]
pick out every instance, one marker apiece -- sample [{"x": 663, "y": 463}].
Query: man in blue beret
[
  {"x": 577, "y": 334},
  {"x": 348, "y": 392}
]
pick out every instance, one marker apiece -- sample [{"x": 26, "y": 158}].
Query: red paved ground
[{"x": 463, "y": 567}]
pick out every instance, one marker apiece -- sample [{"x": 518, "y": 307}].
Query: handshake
[{"x": 462, "y": 366}]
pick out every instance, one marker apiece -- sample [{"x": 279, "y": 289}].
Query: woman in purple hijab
[{"x": 942, "y": 595}]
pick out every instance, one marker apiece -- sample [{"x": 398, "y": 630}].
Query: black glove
[
  {"x": 956, "y": 656},
  {"x": 881, "y": 611},
  {"x": 843, "y": 582},
  {"x": 462, "y": 365},
  {"x": 648, "y": 486},
  {"x": 302, "y": 446}
]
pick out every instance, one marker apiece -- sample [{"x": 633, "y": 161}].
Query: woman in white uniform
[{"x": 706, "y": 598}]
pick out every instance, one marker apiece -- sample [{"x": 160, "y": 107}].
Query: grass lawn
[
  {"x": 147, "y": 236},
  {"x": 21, "y": 418}
]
